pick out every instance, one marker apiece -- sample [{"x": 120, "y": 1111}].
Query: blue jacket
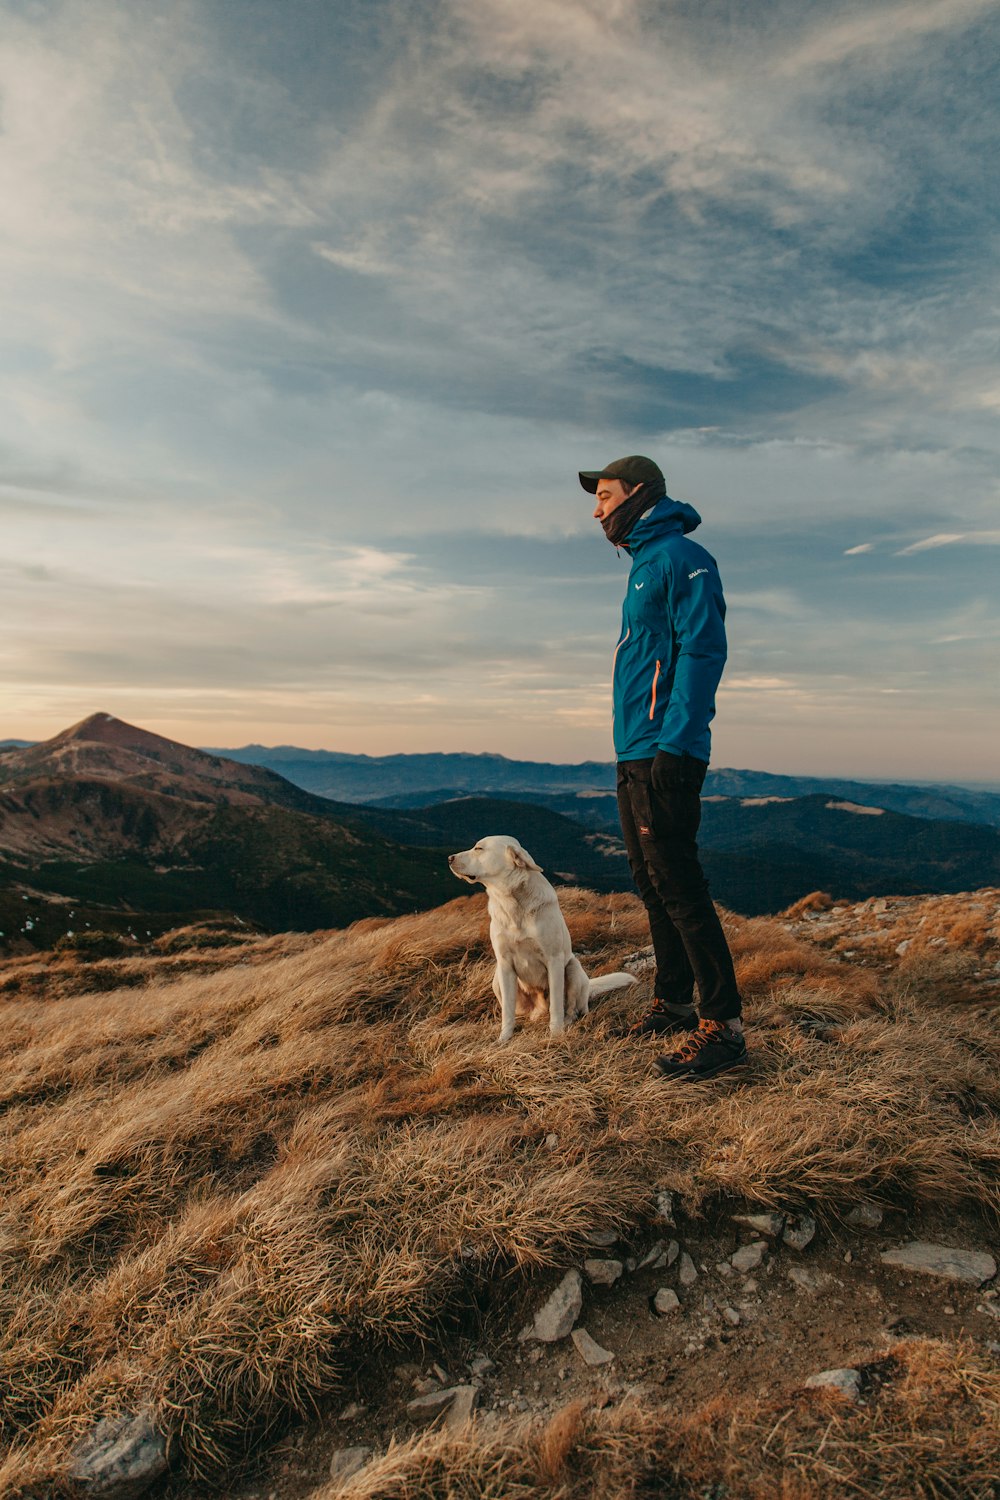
[{"x": 672, "y": 649}]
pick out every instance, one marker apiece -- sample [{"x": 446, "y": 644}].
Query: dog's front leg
[
  {"x": 506, "y": 983},
  {"x": 557, "y": 998}
]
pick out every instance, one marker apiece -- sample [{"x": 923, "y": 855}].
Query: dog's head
[{"x": 495, "y": 860}]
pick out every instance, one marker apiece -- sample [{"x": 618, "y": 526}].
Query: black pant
[{"x": 660, "y": 824}]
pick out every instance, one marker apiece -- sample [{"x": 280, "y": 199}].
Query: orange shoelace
[{"x": 708, "y": 1031}]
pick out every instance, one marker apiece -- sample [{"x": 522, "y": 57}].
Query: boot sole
[{"x": 694, "y": 1075}]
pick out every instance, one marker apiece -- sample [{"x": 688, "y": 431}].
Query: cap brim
[{"x": 589, "y": 479}]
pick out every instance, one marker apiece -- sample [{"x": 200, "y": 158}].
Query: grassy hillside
[{"x": 231, "y": 1177}]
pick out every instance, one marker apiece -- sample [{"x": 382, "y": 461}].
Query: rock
[
  {"x": 766, "y": 1223},
  {"x": 440, "y": 1374},
  {"x": 659, "y": 1256},
  {"x": 992, "y": 1309},
  {"x": 346, "y": 1462},
  {"x": 665, "y": 1301},
  {"x": 971, "y": 1266},
  {"x": 804, "y": 1279},
  {"x": 481, "y": 1365},
  {"x": 903, "y": 946},
  {"x": 425, "y": 1384},
  {"x": 865, "y": 1216},
  {"x": 664, "y": 1208},
  {"x": 731, "y": 1316},
  {"x": 603, "y": 1272},
  {"x": 748, "y": 1257},
  {"x": 799, "y": 1232},
  {"x": 631, "y": 1264},
  {"x": 352, "y": 1411},
  {"x": 555, "y": 1319},
  {"x": 464, "y": 1403},
  {"x": 686, "y": 1274},
  {"x": 848, "y": 1382},
  {"x": 121, "y": 1458},
  {"x": 551, "y": 1142},
  {"x": 601, "y": 1238},
  {"x": 429, "y": 1408},
  {"x": 589, "y": 1350}
]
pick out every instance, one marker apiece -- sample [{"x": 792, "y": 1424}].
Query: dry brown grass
[
  {"x": 929, "y": 1429},
  {"x": 221, "y": 1187}
]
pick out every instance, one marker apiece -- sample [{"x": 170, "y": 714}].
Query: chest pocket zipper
[{"x": 656, "y": 678}]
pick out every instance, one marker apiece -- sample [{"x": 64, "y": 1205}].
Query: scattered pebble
[
  {"x": 846, "y": 1381},
  {"x": 972, "y": 1266},
  {"x": 603, "y": 1272},
  {"x": 799, "y": 1232},
  {"x": 686, "y": 1274},
  {"x": 346, "y": 1462},
  {"x": 748, "y": 1257},
  {"x": 665, "y": 1301},
  {"x": 589, "y": 1350},
  {"x": 865, "y": 1216}
]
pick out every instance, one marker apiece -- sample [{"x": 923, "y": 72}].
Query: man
[{"x": 667, "y": 666}]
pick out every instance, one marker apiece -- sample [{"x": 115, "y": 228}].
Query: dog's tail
[{"x": 606, "y": 982}]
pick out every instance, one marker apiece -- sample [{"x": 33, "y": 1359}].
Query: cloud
[
  {"x": 862, "y": 547},
  {"x": 949, "y": 538}
]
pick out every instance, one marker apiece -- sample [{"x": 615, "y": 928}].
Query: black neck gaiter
[{"x": 619, "y": 524}]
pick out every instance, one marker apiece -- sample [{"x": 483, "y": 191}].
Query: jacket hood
[{"x": 667, "y": 515}]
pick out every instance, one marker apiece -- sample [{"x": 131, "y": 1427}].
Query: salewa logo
[
  {"x": 697, "y": 571},
  {"x": 641, "y": 585}
]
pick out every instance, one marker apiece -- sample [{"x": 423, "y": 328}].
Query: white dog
[{"x": 536, "y": 965}]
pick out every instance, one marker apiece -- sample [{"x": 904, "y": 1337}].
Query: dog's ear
[{"x": 521, "y": 859}]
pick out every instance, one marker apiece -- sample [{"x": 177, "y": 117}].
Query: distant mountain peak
[{"x": 105, "y": 729}]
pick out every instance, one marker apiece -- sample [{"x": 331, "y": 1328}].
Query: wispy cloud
[{"x": 304, "y": 344}]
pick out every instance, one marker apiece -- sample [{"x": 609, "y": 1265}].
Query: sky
[{"x": 310, "y": 310}]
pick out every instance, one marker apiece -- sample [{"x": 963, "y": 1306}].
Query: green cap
[{"x": 631, "y": 471}]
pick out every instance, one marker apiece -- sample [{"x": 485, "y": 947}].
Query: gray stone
[
  {"x": 465, "y": 1400},
  {"x": 731, "y": 1316},
  {"x": 551, "y": 1142},
  {"x": 804, "y": 1279},
  {"x": 425, "y": 1384},
  {"x": 902, "y": 947},
  {"x": 352, "y": 1411},
  {"x": 664, "y": 1208},
  {"x": 848, "y": 1382},
  {"x": 764, "y": 1223},
  {"x": 686, "y": 1274},
  {"x": 748, "y": 1257},
  {"x": 603, "y": 1272},
  {"x": 555, "y": 1319},
  {"x": 991, "y": 1309},
  {"x": 481, "y": 1365},
  {"x": 865, "y": 1216},
  {"x": 346, "y": 1462},
  {"x": 665, "y": 1301},
  {"x": 428, "y": 1408},
  {"x": 601, "y": 1238},
  {"x": 971, "y": 1266},
  {"x": 799, "y": 1232},
  {"x": 659, "y": 1255},
  {"x": 589, "y": 1350},
  {"x": 121, "y": 1458}
]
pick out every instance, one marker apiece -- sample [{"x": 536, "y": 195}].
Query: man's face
[{"x": 609, "y": 495}]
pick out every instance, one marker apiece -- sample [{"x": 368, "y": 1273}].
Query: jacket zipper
[
  {"x": 614, "y": 659},
  {"x": 656, "y": 678}
]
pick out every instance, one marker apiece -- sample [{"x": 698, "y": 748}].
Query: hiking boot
[
  {"x": 659, "y": 1022},
  {"x": 711, "y": 1049}
]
